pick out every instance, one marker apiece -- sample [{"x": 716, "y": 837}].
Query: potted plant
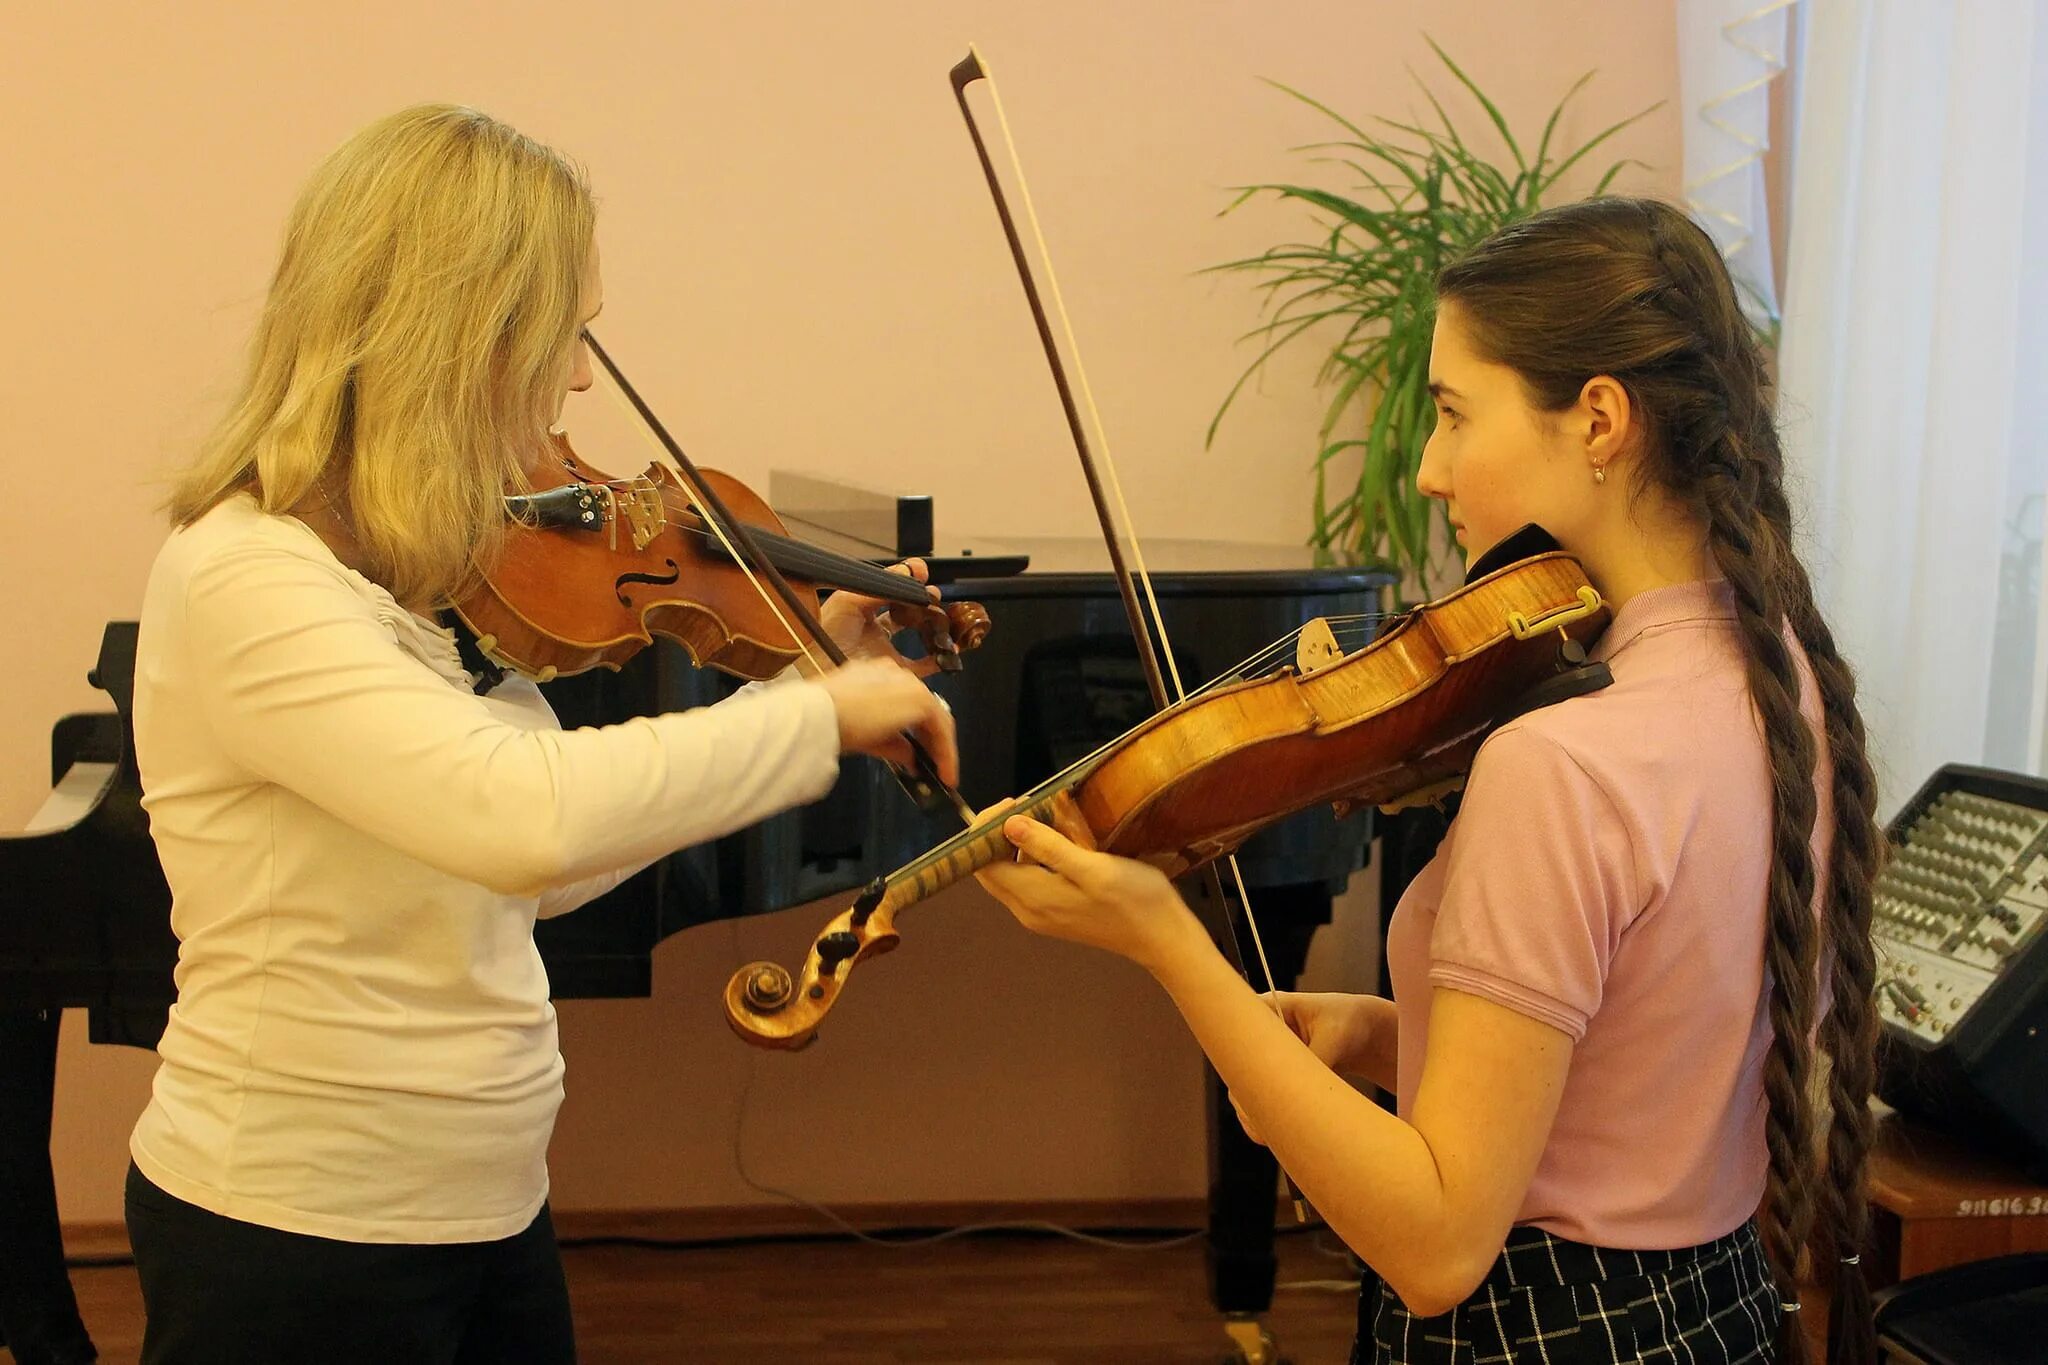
[{"x": 1365, "y": 291}]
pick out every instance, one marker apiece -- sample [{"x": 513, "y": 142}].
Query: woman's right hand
[
  {"x": 1351, "y": 1034},
  {"x": 1340, "y": 1027},
  {"x": 878, "y": 700}
]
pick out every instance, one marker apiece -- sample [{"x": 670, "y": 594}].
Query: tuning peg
[
  {"x": 870, "y": 899},
  {"x": 833, "y": 949}
]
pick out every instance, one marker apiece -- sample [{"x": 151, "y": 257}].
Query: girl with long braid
[{"x": 1648, "y": 928}]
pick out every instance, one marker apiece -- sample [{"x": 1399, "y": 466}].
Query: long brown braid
[{"x": 1635, "y": 290}]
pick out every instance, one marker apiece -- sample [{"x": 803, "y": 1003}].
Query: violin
[
  {"x": 1395, "y": 722},
  {"x": 594, "y": 567}
]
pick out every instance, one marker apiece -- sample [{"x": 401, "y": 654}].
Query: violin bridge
[
  {"x": 643, "y": 510},
  {"x": 1316, "y": 647}
]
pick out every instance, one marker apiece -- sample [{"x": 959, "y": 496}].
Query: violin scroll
[
  {"x": 770, "y": 1008},
  {"x": 948, "y": 629}
]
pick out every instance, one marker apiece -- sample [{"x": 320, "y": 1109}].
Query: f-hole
[{"x": 619, "y": 583}]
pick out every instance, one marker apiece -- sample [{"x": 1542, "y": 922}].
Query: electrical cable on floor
[
  {"x": 1168, "y": 1238},
  {"x": 1339, "y": 1252},
  {"x": 899, "y": 1242}
]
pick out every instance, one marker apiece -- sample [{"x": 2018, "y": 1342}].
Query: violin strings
[
  {"x": 809, "y": 561},
  {"x": 1359, "y": 624},
  {"x": 1352, "y": 625},
  {"x": 792, "y": 557},
  {"x": 1063, "y": 776}
]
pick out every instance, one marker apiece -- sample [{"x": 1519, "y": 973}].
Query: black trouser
[
  {"x": 38, "y": 1315},
  {"x": 221, "y": 1292}
]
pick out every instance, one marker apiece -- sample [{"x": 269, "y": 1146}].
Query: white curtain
[
  {"x": 1914, "y": 367},
  {"x": 1729, "y": 54}
]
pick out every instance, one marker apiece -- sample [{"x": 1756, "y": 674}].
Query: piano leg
[
  {"x": 1243, "y": 1177},
  {"x": 38, "y": 1312}
]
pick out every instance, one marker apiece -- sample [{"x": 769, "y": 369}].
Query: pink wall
[{"x": 803, "y": 271}]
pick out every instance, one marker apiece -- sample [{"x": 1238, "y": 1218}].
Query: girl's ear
[{"x": 1605, "y": 418}]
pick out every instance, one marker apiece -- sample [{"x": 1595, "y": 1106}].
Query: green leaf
[
  {"x": 1317, "y": 104},
  {"x": 1595, "y": 141},
  {"x": 1550, "y": 124},
  {"x": 1492, "y": 110},
  {"x": 1613, "y": 171},
  {"x": 1364, "y": 288}
]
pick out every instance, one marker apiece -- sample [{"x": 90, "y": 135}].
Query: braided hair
[{"x": 1635, "y": 290}]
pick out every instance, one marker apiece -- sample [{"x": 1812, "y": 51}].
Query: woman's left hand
[
  {"x": 861, "y": 627},
  {"x": 1058, "y": 888}
]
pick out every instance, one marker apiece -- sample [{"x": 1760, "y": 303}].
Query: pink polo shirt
[{"x": 1606, "y": 874}]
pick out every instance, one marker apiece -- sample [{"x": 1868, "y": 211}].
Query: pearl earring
[{"x": 1599, "y": 473}]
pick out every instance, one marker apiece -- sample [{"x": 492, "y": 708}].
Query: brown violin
[
  {"x": 1395, "y": 722},
  {"x": 595, "y": 567}
]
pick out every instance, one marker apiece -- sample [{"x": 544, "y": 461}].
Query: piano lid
[
  {"x": 868, "y": 523},
  {"x": 1063, "y": 565}
]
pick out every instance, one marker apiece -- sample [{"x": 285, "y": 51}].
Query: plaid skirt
[{"x": 1565, "y": 1303}]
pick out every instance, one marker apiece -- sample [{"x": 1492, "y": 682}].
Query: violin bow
[
  {"x": 969, "y": 69},
  {"x": 926, "y": 786}
]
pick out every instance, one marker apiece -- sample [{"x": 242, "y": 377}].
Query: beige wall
[{"x": 803, "y": 271}]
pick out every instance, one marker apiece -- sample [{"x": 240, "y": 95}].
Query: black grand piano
[{"x": 84, "y": 912}]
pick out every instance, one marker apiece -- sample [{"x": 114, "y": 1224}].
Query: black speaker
[{"x": 1962, "y": 965}]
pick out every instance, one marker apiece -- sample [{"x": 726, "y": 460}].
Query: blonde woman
[{"x": 344, "y": 1157}]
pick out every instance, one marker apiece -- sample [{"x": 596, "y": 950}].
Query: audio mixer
[{"x": 1962, "y": 971}]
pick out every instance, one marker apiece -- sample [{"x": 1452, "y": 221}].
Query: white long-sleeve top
[{"x": 357, "y": 847}]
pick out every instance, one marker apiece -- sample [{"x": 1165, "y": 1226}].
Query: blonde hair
[{"x": 417, "y": 336}]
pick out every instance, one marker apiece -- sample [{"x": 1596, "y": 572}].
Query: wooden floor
[{"x": 985, "y": 1300}]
